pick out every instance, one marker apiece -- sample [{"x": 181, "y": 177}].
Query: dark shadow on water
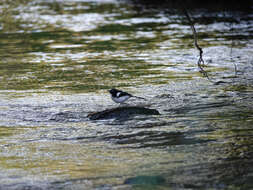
[
  {"x": 154, "y": 139},
  {"x": 68, "y": 116}
]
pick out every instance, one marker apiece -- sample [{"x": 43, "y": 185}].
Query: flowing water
[{"x": 58, "y": 61}]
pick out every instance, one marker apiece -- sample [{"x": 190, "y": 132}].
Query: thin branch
[{"x": 201, "y": 62}]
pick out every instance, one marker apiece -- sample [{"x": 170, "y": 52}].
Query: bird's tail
[{"x": 139, "y": 97}]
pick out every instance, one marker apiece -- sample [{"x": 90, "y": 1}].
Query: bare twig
[{"x": 201, "y": 62}]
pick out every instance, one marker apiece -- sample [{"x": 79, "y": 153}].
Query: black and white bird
[{"x": 119, "y": 96}]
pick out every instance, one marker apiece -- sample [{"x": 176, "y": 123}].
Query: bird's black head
[{"x": 113, "y": 91}]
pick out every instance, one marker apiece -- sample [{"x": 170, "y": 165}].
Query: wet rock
[
  {"x": 122, "y": 112},
  {"x": 219, "y": 82}
]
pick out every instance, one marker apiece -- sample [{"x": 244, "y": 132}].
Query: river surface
[{"x": 58, "y": 61}]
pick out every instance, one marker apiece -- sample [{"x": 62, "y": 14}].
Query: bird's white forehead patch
[{"x": 118, "y": 94}]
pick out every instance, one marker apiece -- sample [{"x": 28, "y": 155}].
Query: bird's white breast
[{"x": 120, "y": 99}]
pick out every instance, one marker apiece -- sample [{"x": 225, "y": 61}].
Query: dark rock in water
[
  {"x": 122, "y": 112},
  {"x": 145, "y": 180},
  {"x": 219, "y": 82}
]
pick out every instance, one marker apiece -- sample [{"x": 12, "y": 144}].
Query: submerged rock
[
  {"x": 122, "y": 112},
  {"x": 145, "y": 180}
]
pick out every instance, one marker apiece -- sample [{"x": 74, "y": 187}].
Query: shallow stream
[{"x": 58, "y": 61}]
